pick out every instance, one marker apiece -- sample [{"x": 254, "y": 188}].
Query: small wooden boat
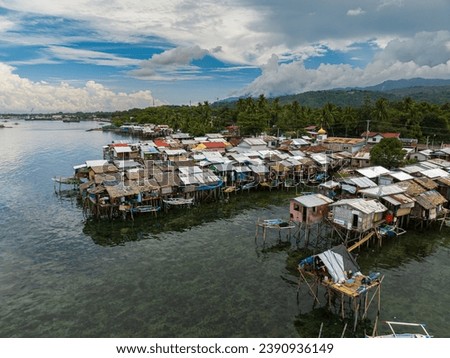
[{"x": 179, "y": 201}]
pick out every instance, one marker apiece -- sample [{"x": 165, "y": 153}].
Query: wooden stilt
[
  {"x": 329, "y": 298},
  {"x": 320, "y": 330},
  {"x": 377, "y": 294},
  {"x": 356, "y": 309},
  {"x": 343, "y": 331},
  {"x": 375, "y": 327},
  {"x": 309, "y": 286}
]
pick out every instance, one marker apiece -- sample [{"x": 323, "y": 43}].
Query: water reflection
[
  {"x": 327, "y": 324},
  {"x": 148, "y": 226}
]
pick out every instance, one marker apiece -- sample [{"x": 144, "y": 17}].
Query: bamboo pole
[
  {"x": 309, "y": 286},
  {"x": 378, "y": 294},
  {"x": 356, "y": 309},
  {"x": 343, "y": 331},
  {"x": 320, "y": 331},
  {"x": 375, "y": 327}
]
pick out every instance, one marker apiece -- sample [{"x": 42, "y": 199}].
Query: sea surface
[{"x": 189, "y": 273}]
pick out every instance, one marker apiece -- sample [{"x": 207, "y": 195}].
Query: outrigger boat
[{"x": 423, "y": 333}]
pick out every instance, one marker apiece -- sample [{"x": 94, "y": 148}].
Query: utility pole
[{"x": 367, "y": 131}]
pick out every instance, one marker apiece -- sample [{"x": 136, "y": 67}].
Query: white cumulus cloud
[
  {"x": 425, "y": 55},
  {"x": 355, "y": 12},
  {"x": 20, "y": 95},
  {"x": 171, "y": 64}
]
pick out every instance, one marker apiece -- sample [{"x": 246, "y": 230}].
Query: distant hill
[
  {"x": 409, "y": 83},
  {"x": 435, "y": 91}
]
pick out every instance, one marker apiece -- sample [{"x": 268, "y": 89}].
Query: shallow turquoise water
[{"x": 194, "y": 273}]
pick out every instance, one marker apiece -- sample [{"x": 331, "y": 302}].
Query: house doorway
[{"x": 355, "y": 220}]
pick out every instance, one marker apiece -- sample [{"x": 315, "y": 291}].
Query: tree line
[{"x": 419, "y": 120}]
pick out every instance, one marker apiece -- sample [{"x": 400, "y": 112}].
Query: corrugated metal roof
[
  {"x": 435, "y": 173},
  {"x": 242, "y": 169},
  {"x": 240, "y": 158},
  {"x": 125, "y": 164},
  {"x": 399, "y": 199},
  {"x": 411, "y": 169},
  {"x": 299, "y": 141},
  {"x": 441, "y": 162},
  {"x": 428, "y": 165},
  {"x": 121, "y": 149},
  {"x": 293, "y": 161},
  {"x": 366, "y": 206},
  {"x": 190, "y": 170},
  {"x": 400, "y": 175},
  {"x": 426, "y": 183},
  {"x": 254, "y": 141},
  {"x": 149, "y": 149},
  {"x": 372, "y": 172},
  {"x": 259, "y": 169},
  {"x": 96, "y": 163},
  {"x": 412, "y": 188},
  {"x": 430, "y": 199},
  {"x": 383, "y": 190},
  {"x": 214, "y": 157},
  {"x": 312, "y": 200},
  {"x": 320, "y": 158},
  {"x": 445, "y": 181},
  {"x": 362, "y": 155},
  {"x": 360, "y": 182},
  {"x": 175, "y": 151}
]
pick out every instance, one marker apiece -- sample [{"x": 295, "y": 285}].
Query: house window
[
  {"x": 296, "y": 207},
  {"x": 374, "y": 139}
]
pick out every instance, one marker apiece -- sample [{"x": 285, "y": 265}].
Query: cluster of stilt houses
[
  {"x": 346, "y": 192},
  {"x": 337, "y": 192}
]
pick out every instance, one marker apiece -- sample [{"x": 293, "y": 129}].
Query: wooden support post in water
[
  {"x": 343, "y": 331},
  {"x": 356, "y": 309},
  {"x": 366, "y": 301},
  {"x": 329, "y": 298},
  {"x": 375, "y": 326},
  {"x": 320, "y": 331},
  {"x": 309, "y": 286}
]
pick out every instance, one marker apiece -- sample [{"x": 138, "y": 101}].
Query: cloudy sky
[{"x": 104, "y": 55}]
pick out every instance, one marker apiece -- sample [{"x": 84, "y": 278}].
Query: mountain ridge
[{"x": 436, "y": 91}]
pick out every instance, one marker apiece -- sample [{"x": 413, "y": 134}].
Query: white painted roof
[
  {"x": 366, "y": 206},
  {"x": 312, "y": 200},
  {"x": 96, "y": 163},
  {"x": 383, "y": 190},
  {"x": 373, "y": 172}
]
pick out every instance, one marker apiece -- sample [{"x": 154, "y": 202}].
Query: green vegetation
[
  {"x": 412, "y": 119},
  {"x": 388, "y": 153}
]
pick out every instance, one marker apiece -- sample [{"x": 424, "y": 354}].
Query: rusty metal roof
[
  {"x": 430, "y": 199},
  {"x": 426, "y": 183}
]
